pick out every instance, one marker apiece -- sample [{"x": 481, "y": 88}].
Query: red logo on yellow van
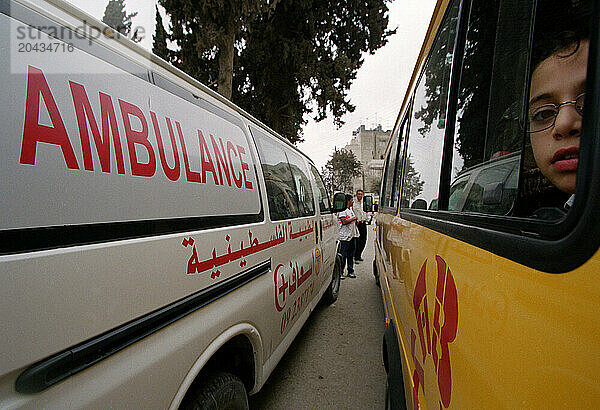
[{"x": 435, "y": 337}]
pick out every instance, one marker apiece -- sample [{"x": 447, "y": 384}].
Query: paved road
[{"x": 335, "y": 361}]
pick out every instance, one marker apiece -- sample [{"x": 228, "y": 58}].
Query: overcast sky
[{"x": 377, "y": 91}]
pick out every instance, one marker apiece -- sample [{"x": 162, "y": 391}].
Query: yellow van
[{"x": 487, "y": 229}]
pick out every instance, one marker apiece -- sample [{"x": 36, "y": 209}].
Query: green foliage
[
  {"x": 159, "y": 45},
  {"x": 373, "y": 184},
  {"x": 288, "y": 58},
  {"x": 206, "y": 32},
  {"x": 339, "y": 171},
  {"x": 412, "y": 185},
  {"x": 116, "y": 17}
]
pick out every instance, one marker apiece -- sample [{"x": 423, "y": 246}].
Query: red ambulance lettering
[
  {"x": 139, "y": 138},
  {"x": 171, "y": 173},
  {"x": 33, "y": 131},
  {"x": 220, "y": 159},
  {"x": 85, "y": 115},
  {"x": 230, "y": 149},
  {"x": 247, "y": 184},
  {"x": 206, "y": 160},
  {"x": 227, "y": 155},
  {"x": 191, "y": 176}
]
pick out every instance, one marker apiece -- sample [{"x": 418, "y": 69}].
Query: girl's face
[{"x": 556, "y": 150}]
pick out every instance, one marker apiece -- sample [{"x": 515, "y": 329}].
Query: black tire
[
  {"x": 217, "y": 391},
  {"x": 376, "y": 274},
  {"x": 333, "y": 291}
]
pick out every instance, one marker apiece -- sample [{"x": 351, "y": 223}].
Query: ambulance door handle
[
  {"x": 321, "y": 229},
  {"x": 316, "y": 233}
]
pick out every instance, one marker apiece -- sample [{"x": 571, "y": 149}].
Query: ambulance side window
[
  {"x": 279, "y": 180},
  {"x": 321, "y": 193},
  {"x": 302, "y": 184}
]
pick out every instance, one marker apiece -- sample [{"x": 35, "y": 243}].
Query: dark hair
[
  {"x": 560, "y": 27},
  {"x": 348, "y": 198},
  {"x": 360, "y": 190},
  {"x": 563, "y": 44}
]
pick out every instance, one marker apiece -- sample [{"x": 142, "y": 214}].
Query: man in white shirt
[
  {"x": 348, "y": 233},
  {"x": 361, "y": 225}
]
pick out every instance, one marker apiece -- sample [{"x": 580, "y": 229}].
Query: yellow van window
[{"x": 426, "y": 134}]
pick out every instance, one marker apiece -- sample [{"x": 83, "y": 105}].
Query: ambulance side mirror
[
  {"x": 368, "y": 203},
  {"x": 339, "y": 202}
]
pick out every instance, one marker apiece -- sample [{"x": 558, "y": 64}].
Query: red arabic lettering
[
  {"x": 254, "y": 246},
  {"x": 307, "y": 230},
  {"x": 435, "y": 342},
  {"x": 293, "y": 311}
]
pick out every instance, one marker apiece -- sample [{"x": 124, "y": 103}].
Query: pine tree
[
  {"x": 116, "y": 17},
  {"x": 159, "y": 46},
  {"x": 339, "y": 171},
  {"x": 279, "y": 60}
]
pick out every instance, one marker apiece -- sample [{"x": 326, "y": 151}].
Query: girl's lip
[
  {"x": 566, "y": 159},
  {"x": 566, "y": 165},
  {"x": 563, "y": 153}
]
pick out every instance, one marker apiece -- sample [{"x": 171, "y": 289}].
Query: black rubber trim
[
  {"x": 58, "y": 367},
  {"x": 35, "y": 239}
]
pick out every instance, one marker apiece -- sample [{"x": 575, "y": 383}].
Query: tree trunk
[{"x": 226, "y": 52}]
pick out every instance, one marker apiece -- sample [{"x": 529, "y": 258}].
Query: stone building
[{"x": 369, "y": 148}]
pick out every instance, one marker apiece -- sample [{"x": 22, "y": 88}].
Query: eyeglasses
[{"x": 543, "y": 117}]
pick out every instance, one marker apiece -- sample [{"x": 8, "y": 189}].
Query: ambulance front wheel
[{"x": 217, "y": 391}]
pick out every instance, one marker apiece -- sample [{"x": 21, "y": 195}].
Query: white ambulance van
[{"x": 159, "y": 247}]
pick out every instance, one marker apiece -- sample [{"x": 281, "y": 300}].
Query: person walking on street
[
  {"x": 361, "y": 225},
  {"x": 348, "y": 234}
]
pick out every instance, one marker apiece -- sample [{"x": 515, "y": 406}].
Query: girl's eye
[{"x": 543, "y": 114}]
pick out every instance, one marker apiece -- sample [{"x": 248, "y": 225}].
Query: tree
[
  {"x": 207, "y": 32},
  {"x": 339, "y": 171},
  {"x": 159, "y": 46},
  {"x": 412, "y": 183},
  {"x": 288, "y": 59},
  {"x": 373, "y": 184},
  {"x": 116, "y": 17}
]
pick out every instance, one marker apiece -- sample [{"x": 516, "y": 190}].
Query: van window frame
[{"x": 546, "y": 243}]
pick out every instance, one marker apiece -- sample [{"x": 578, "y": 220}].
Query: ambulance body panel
[{"x": 138, "y": 243}]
